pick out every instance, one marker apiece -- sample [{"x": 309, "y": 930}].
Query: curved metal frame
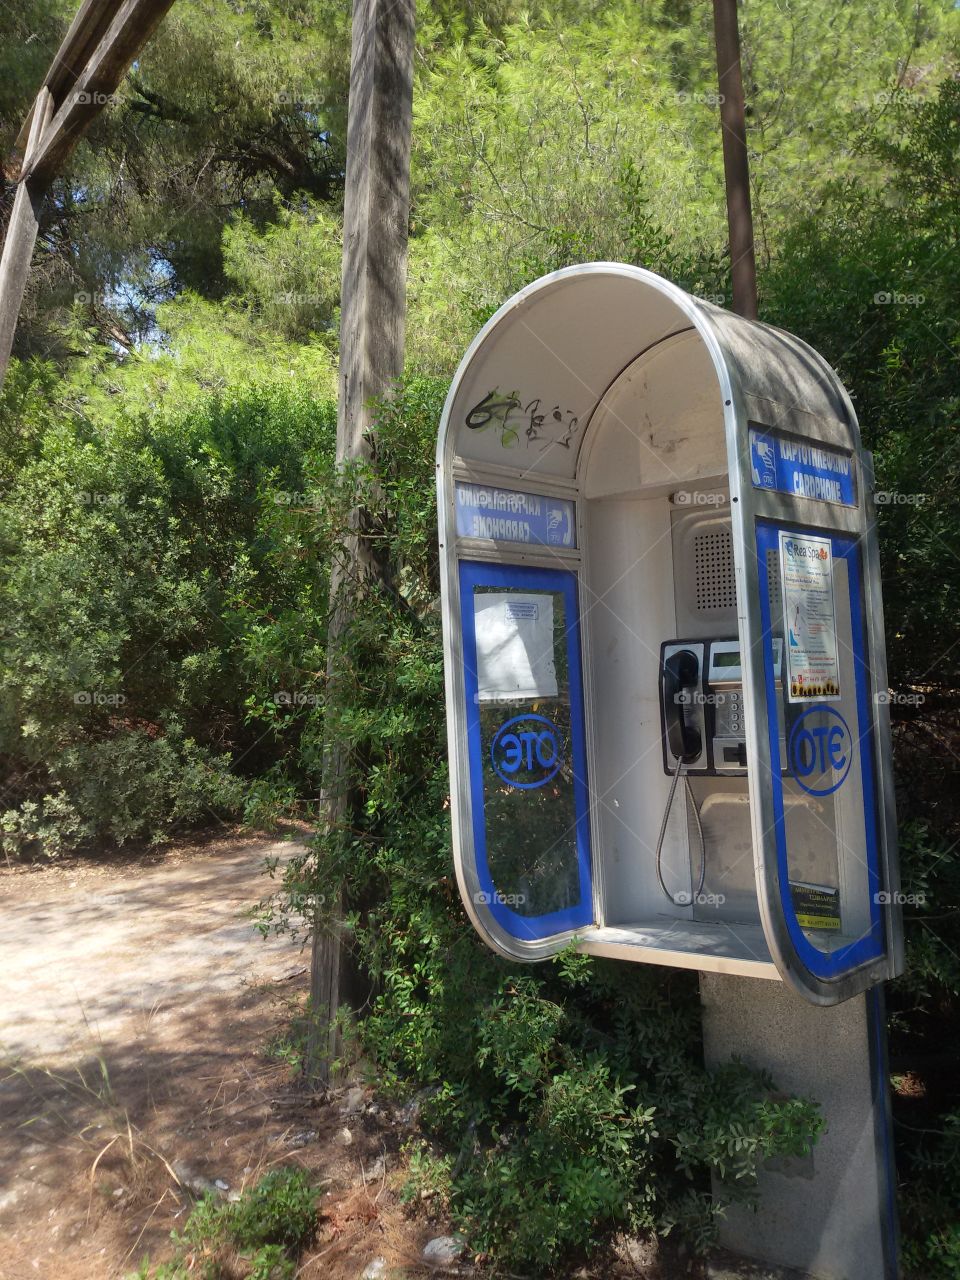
[{"x": 749, "y": 359}]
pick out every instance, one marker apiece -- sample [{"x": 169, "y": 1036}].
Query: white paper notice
[
  {"x": 514, "y": 645},
  {"x": 809, "y": 617}
]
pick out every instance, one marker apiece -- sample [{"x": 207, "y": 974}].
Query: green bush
[
  {"x": 263, "y": 1231},
  {"x": 163, "y": 588},
  {"x": 182, "y": 562},
  {"x": 872, "y": 280},
  {"x": 279, "y": 1210}
]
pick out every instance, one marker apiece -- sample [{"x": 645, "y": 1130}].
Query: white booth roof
[{"x": 532, "y": 381}]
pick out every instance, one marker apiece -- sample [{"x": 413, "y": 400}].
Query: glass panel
[
  {"x": 825, "y": 799},
  {"x": 523, "y": 679}
]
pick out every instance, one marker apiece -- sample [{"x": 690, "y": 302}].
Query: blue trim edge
[{"x": 826, "y": 965}]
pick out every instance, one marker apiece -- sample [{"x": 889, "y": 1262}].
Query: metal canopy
[{"x": 566, "y": 339}]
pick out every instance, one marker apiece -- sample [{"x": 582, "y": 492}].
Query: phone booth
[{"x": 665, "y": 670}]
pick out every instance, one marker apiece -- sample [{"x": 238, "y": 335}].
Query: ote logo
[
  {"x": 821, "y": 750},
  {"x": 526, "y": 752}
]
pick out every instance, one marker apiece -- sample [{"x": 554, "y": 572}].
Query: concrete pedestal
[{"x": 832, "y": 1214}]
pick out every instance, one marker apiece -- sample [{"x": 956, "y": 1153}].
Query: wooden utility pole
[
  {"x": 736, "y": 168},
  {"x": 373, "y": 313},
  {"x": 103, "y": 40}
]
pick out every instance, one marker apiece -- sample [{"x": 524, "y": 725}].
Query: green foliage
[
  {"x": 872, "y": 282},
  {"x": 262, "y": 1232},
  {"x": 289, "y": 273},
  {"x": 227, "y": 109},
  {"x": 279, "y": 1210},
  {"x": 930, "y": 1194},
  {"x": 162, "y": 619},
  {"x": 26, "y": 413},
  {"x": 527, "y": 120},
  {"x": 168, "y": 516}
]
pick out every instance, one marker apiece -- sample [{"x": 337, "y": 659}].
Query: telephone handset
[
  {"x": 681, "y": 708},
  {"x": 681, "y": 681}
]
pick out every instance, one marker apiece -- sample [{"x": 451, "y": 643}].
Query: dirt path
[
  {"x": 87, "y": 950},
  {"x": 138, "y": 1007}
]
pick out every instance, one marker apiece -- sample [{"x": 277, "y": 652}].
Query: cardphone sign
[
  {"x": 661, "y": 643},
  {"x": 509, "y": 515},
  {"x": 801, "y": 468}
]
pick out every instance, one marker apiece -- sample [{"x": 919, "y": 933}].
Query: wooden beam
[
  {"x": 103, "y": 39},
  {"x": 82, "y": 101},
  {"x": 88, "y": 27},
  {"x": 21, "y": 235},
  {"x": 736, "y": 165},
  {"x": 376, "y": 211},
  {"x": 373, "y": 314}
]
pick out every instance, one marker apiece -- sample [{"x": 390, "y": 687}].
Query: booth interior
[{"x": 658, "y": 565}]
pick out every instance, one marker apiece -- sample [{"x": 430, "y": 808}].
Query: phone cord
[{"x": 688, "y": 792}]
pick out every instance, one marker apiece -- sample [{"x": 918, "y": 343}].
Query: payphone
[
  {"x": 663, "y": 637},
  {"x": 702, "y": 708}
]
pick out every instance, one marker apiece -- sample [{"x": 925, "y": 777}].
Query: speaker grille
[{"x": 713, "y": 565}]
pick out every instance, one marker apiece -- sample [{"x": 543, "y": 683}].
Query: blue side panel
[
  {"x": 870, "y": 946},
  {"x": 475, "y": 574}
]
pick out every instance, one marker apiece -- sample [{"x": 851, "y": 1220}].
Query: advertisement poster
[
  {"x": 514, "y": 633},
  {"x": 809, "y": 617},
  {"x": 817, "y": 905}
]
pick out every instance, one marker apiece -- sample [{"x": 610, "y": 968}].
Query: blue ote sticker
[
  {"x": 525, "y": 752},
  {"x": 802, "y": 468},
  {"x": 820, "y": 750}
]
